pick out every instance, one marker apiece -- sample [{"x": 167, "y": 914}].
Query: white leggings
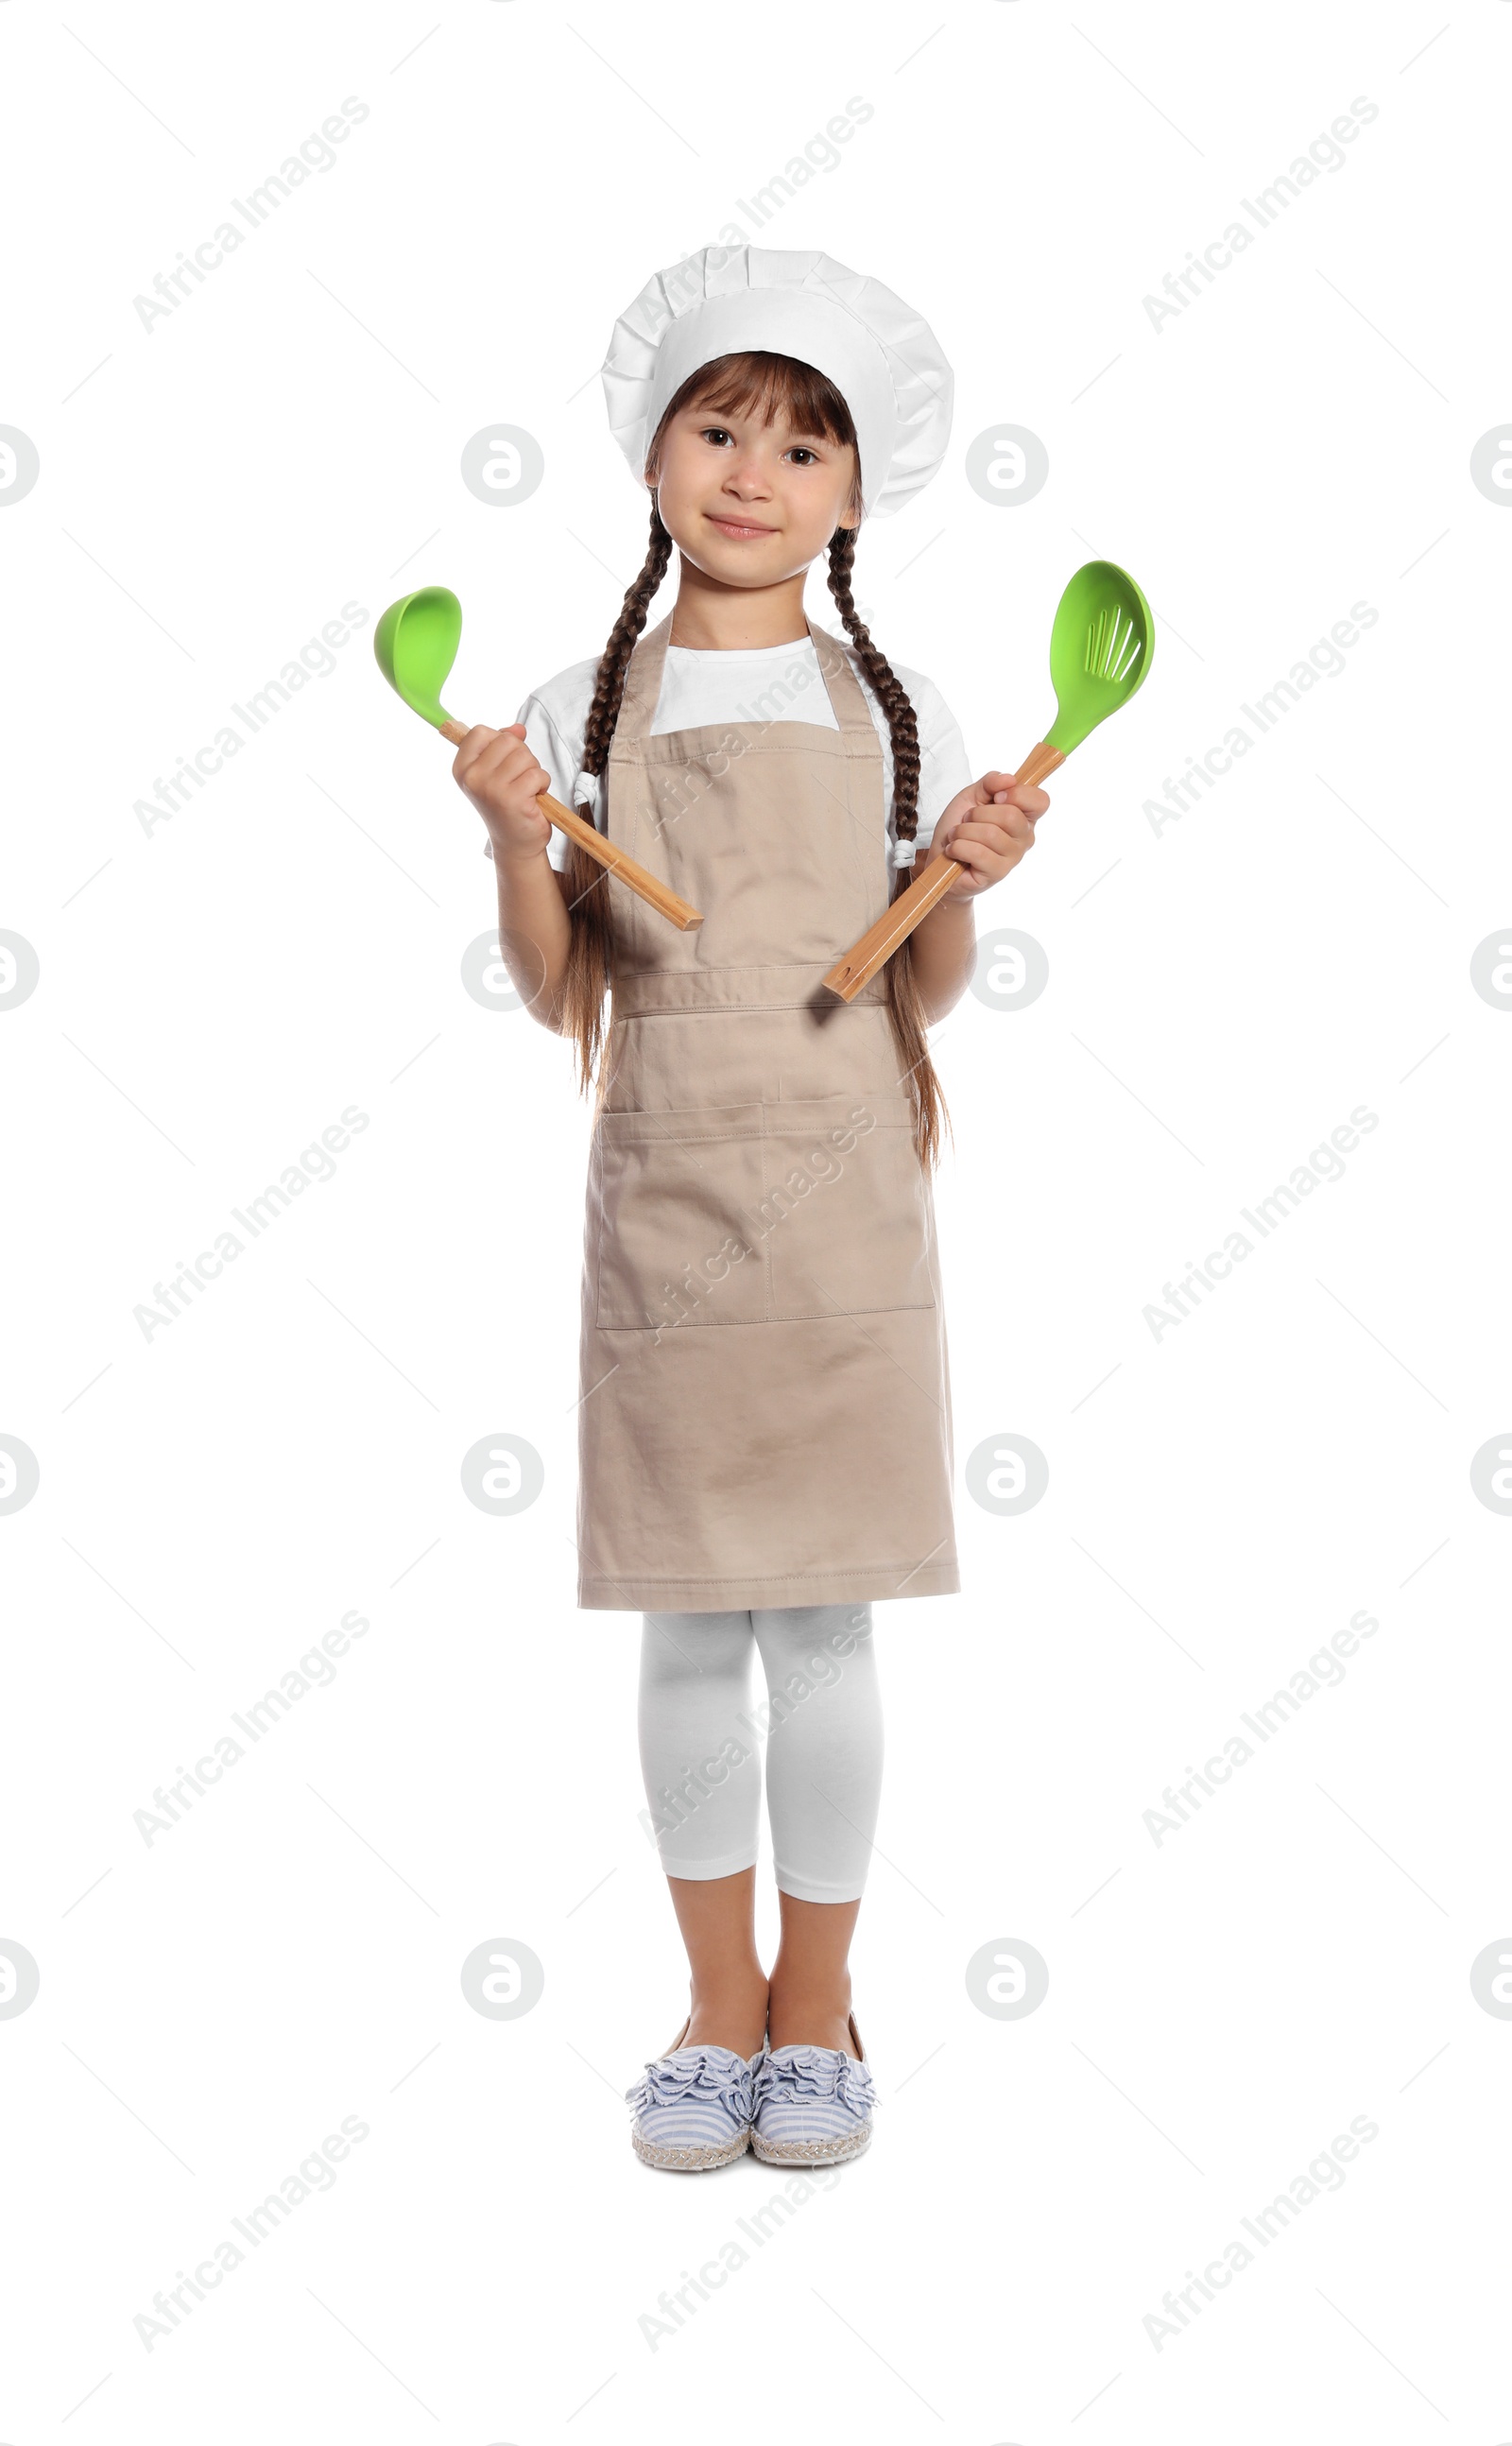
[{"x": 701, "y": 1745}]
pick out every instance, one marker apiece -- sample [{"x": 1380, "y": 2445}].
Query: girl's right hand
[{"x": 503, "y": 779}]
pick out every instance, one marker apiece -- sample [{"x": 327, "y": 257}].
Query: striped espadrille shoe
[
  {"x": 693, "y": 2107},
  {"x": 814, "y": 2105}
]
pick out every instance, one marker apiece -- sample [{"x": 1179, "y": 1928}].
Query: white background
[{"x": 1222, "y": 993}]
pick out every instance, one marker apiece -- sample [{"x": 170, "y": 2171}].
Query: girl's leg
[
  {"x": 824, "y": 1780},
  {"x": 703, "y": 1784}
]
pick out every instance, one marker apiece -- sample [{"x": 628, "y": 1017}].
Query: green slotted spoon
[
  {"x": 416, "y": 642},
  {"x": 1102, "y": 643}
]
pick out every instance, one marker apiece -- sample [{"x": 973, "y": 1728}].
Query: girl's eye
[{"x": 719, "y": 434}]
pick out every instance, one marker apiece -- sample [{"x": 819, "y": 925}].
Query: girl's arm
[
  {"x": 502, "y": 778},
  {"x": 987, "y": 828}
]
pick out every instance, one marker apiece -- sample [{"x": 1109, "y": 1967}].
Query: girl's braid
[
  {"x": 892, "y": 695},
  {"x": 615, "y": 660},
  {"x": 590, "y": 959},
  {"x": 910, "y": 1026}
]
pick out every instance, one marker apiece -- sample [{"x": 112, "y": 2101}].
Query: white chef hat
[{"x": 879, "y": 353}]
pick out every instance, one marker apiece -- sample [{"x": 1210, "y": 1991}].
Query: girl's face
[{"x": 751, "y": 504}]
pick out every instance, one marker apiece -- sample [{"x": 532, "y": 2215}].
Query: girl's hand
[
  {"x": 987, "y": 828},
  {"x": 501, "y": 777}
]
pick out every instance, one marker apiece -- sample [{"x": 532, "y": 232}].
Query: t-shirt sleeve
[
  {"x": 549, "y": 736},
  {"x": 560, "y": 755},
  {"x": 943, "y": 766}
]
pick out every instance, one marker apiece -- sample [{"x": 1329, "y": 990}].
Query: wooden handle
[
  {"x": 897, "y": 922},
  {"x": 895, "y": 925},
  {"x": 656, "y": 893},
  {"x": 1041, "y": 762},
  {"x": 650, "y": 888}
]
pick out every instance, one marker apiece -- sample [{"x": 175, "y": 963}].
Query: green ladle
[
  {"x": 416, "y": 644},
  {"x": 1101, "y": 645}
]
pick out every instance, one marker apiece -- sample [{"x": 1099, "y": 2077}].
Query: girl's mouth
[{"x": 736, "y": 527}]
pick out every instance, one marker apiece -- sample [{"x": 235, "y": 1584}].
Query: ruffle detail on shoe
[
  {"x": 706, "y": 2076},
  {"x": 794, "y": 2076}
]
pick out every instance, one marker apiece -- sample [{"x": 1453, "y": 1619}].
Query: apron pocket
[
  {"x": 675, "y": 1245},
  {"x": 844, "y": 1215}
]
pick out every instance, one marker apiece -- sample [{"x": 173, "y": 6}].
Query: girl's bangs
[{"x": 755, "y": 381}]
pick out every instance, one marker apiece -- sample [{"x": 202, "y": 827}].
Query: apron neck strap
[
  {"x": 643, "y": 684},
  {"x": 851, "y": 708}
]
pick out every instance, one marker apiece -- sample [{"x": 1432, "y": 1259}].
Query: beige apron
[{"x": 765, "y": 1395}]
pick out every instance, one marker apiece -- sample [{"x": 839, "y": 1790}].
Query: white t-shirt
[{"x": 709, "y": 685}]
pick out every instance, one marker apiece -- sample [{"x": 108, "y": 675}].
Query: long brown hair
[{"x": 753, "y": 381}]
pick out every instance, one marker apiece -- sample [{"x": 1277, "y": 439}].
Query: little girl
[{"x": 764, "y": 1436}]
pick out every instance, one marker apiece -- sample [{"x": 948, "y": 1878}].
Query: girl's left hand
[{"x": 987, "y": 828}]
